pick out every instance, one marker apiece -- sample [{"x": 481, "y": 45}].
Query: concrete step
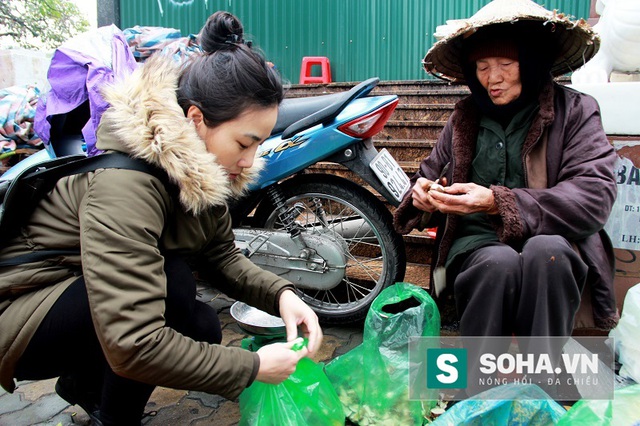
[
  {"x": 422, "y": 112},
  {"x": 409, "y": 92},
  {"x": 412, "y": 97},
  {"x": 417, "y": 274},
  {"x": 409, "y": 167},
  {"x": 409, "y": 87},
  {"x": 426, "y": 96},
  {"x": 384, "y": 85},
  {"x": 406, "y": 150},
  {"x": 411, "y": 129},
  {"x": 418, "y": 245}
]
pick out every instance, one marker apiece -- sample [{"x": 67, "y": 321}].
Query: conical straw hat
[{"x": 576, "y": 42}]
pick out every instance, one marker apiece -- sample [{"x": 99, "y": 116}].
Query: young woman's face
[
  {"x": 501, "y": 79},
  {"x": 235, "y": 142}
]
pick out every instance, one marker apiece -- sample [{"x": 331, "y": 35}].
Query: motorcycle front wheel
[{"x": 361, "y": 224}]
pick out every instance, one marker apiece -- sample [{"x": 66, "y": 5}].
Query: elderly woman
[{"x": 521, "y": 208}]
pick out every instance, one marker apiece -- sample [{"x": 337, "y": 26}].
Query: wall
[{"x": 20, "y": 67}]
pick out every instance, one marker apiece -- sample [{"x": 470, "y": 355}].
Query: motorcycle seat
[
  {"x": 317, "y": 111},
  {"x": 295, "y": 109}
]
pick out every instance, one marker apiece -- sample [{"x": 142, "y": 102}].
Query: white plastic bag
[{"x": 625, "y": 335}]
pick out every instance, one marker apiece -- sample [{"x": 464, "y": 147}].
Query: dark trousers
[
  {"x": 66, "y": 344},
  {"x": 533, "y": 292}
]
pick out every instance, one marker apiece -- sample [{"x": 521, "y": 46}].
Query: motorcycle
[
  {"x": 330, "y": 236},
  {"x": 339, "y": 248}
]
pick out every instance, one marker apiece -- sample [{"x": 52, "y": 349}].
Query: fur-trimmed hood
[{"x": 146, "y": 122}]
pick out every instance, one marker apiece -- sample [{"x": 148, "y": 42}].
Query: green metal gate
[{"x": 361, "y": 38}]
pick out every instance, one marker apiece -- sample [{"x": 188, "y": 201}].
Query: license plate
[{"x": 390, "y": 174}]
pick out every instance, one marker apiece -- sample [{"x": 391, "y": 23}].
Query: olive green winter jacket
[{"x": 121, "y": 221}]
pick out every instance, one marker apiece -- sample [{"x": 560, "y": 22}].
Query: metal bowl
[{"x": 256, "y": 322}]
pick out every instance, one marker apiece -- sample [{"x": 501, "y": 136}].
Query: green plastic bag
[
  {"x": 306, "y": 398},
  {"x": 623, "y": 410},
  {"x": 372, "y": 380}
]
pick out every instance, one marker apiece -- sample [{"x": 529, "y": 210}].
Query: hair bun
[{"x": 222, "y": 31}]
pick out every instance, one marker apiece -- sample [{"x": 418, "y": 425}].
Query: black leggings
[
  {"x": 66, "y": 344},
  {"x": 535, "y": 291}
]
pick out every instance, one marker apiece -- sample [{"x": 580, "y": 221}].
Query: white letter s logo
[{"x": 444, "y": 362}]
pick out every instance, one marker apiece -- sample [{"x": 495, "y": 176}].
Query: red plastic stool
[{"x": 305, "y": 70}]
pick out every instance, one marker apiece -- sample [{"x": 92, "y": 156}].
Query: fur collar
[{"x": 146, "y": 122}]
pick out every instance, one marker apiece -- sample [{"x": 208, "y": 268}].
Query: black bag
[{"x": 20, "y": 196}]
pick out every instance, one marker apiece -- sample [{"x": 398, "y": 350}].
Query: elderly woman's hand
[
  {"x": 294, "y": 312},
  {"x": 421, "y": 194},
  {"x": 463, "y": 199}
]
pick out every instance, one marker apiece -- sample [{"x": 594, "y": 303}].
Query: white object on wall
[
  {"x": 612, "y": 76},
  {"x": 619, "y": 105},
  {"x": 619, "y": 30}
]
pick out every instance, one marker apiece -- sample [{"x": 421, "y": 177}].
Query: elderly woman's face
[{"x": 501, "y": 78}]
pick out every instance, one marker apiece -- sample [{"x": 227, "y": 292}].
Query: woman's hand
[
  {"x": 278, "y": 361},
  {"x": 463, "y": 199},
  {"x": 421, "y": 194},
  {"x": 294, "y": 312}
]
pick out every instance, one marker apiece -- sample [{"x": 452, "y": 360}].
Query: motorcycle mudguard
[
  {"x": 357, "y": 159},
  {"x": 319, "y": 266}
]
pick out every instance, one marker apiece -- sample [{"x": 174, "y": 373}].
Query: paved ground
[{"x": 36, "y": 403}]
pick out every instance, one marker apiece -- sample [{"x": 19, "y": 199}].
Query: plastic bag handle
[{"x": 300, "y": 343}]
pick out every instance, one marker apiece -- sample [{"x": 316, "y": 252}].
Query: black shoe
[{"x": 69, "y": 390}]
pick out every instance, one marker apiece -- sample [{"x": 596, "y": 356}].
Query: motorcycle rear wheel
[{"x": 363, "y": 226}]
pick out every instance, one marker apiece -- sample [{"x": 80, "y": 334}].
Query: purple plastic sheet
[{"x": 78, "y": 71}]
